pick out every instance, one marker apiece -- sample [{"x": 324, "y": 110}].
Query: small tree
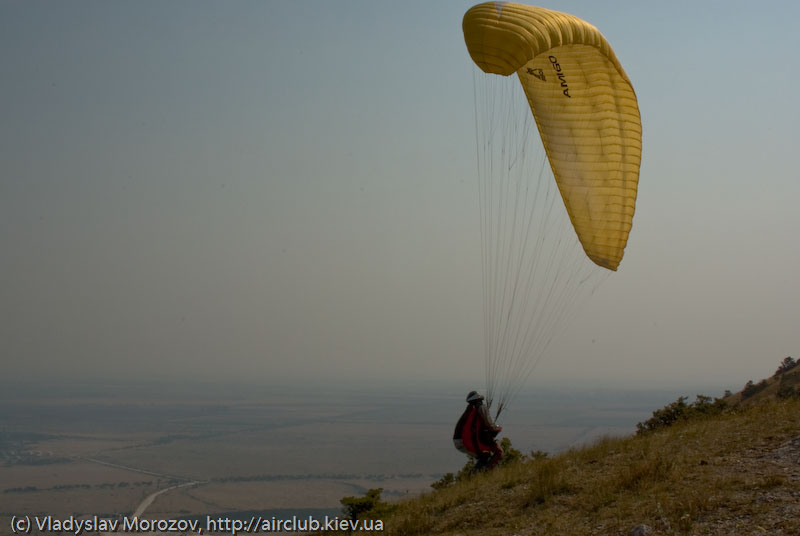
[
  {"x": 538, "y": 455},
  {"x": 355, "y": 506},
  {"x": 787, "y": 364},
  {"x": 751, "y": 389},
  {"x": 448, "y": 479},
  {"x": 510, "y": 454}
]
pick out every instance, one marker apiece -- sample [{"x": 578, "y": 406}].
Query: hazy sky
[{"x": 258, "y": 190}]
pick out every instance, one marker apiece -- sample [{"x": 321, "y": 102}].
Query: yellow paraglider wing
[{"x": 585, "y": 109}]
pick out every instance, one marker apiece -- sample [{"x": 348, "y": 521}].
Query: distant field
[
  {"x": 93, "y": 501},
  {"x": 286, "y": 495}
]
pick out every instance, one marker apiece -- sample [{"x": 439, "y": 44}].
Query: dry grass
[{"x": 704, "y": 476}]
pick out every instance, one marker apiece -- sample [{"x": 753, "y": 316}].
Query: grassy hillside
[
  {"x": 784, "y": 383},
  {"x": 736, "y": 472}
]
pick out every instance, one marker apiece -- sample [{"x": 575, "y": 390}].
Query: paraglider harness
[{"x": 475, "y": 437}]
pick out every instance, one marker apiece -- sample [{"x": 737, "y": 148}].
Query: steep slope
[{"x": 733, "y": 473}]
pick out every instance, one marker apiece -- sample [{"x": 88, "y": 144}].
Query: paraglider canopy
[{"x": 585, "y": 110}]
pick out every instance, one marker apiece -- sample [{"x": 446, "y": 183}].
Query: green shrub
[
  {"x": 751, "y": 389},
  {"x": 680, "y": 411},
  {"x": 787, "y": 364}
]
